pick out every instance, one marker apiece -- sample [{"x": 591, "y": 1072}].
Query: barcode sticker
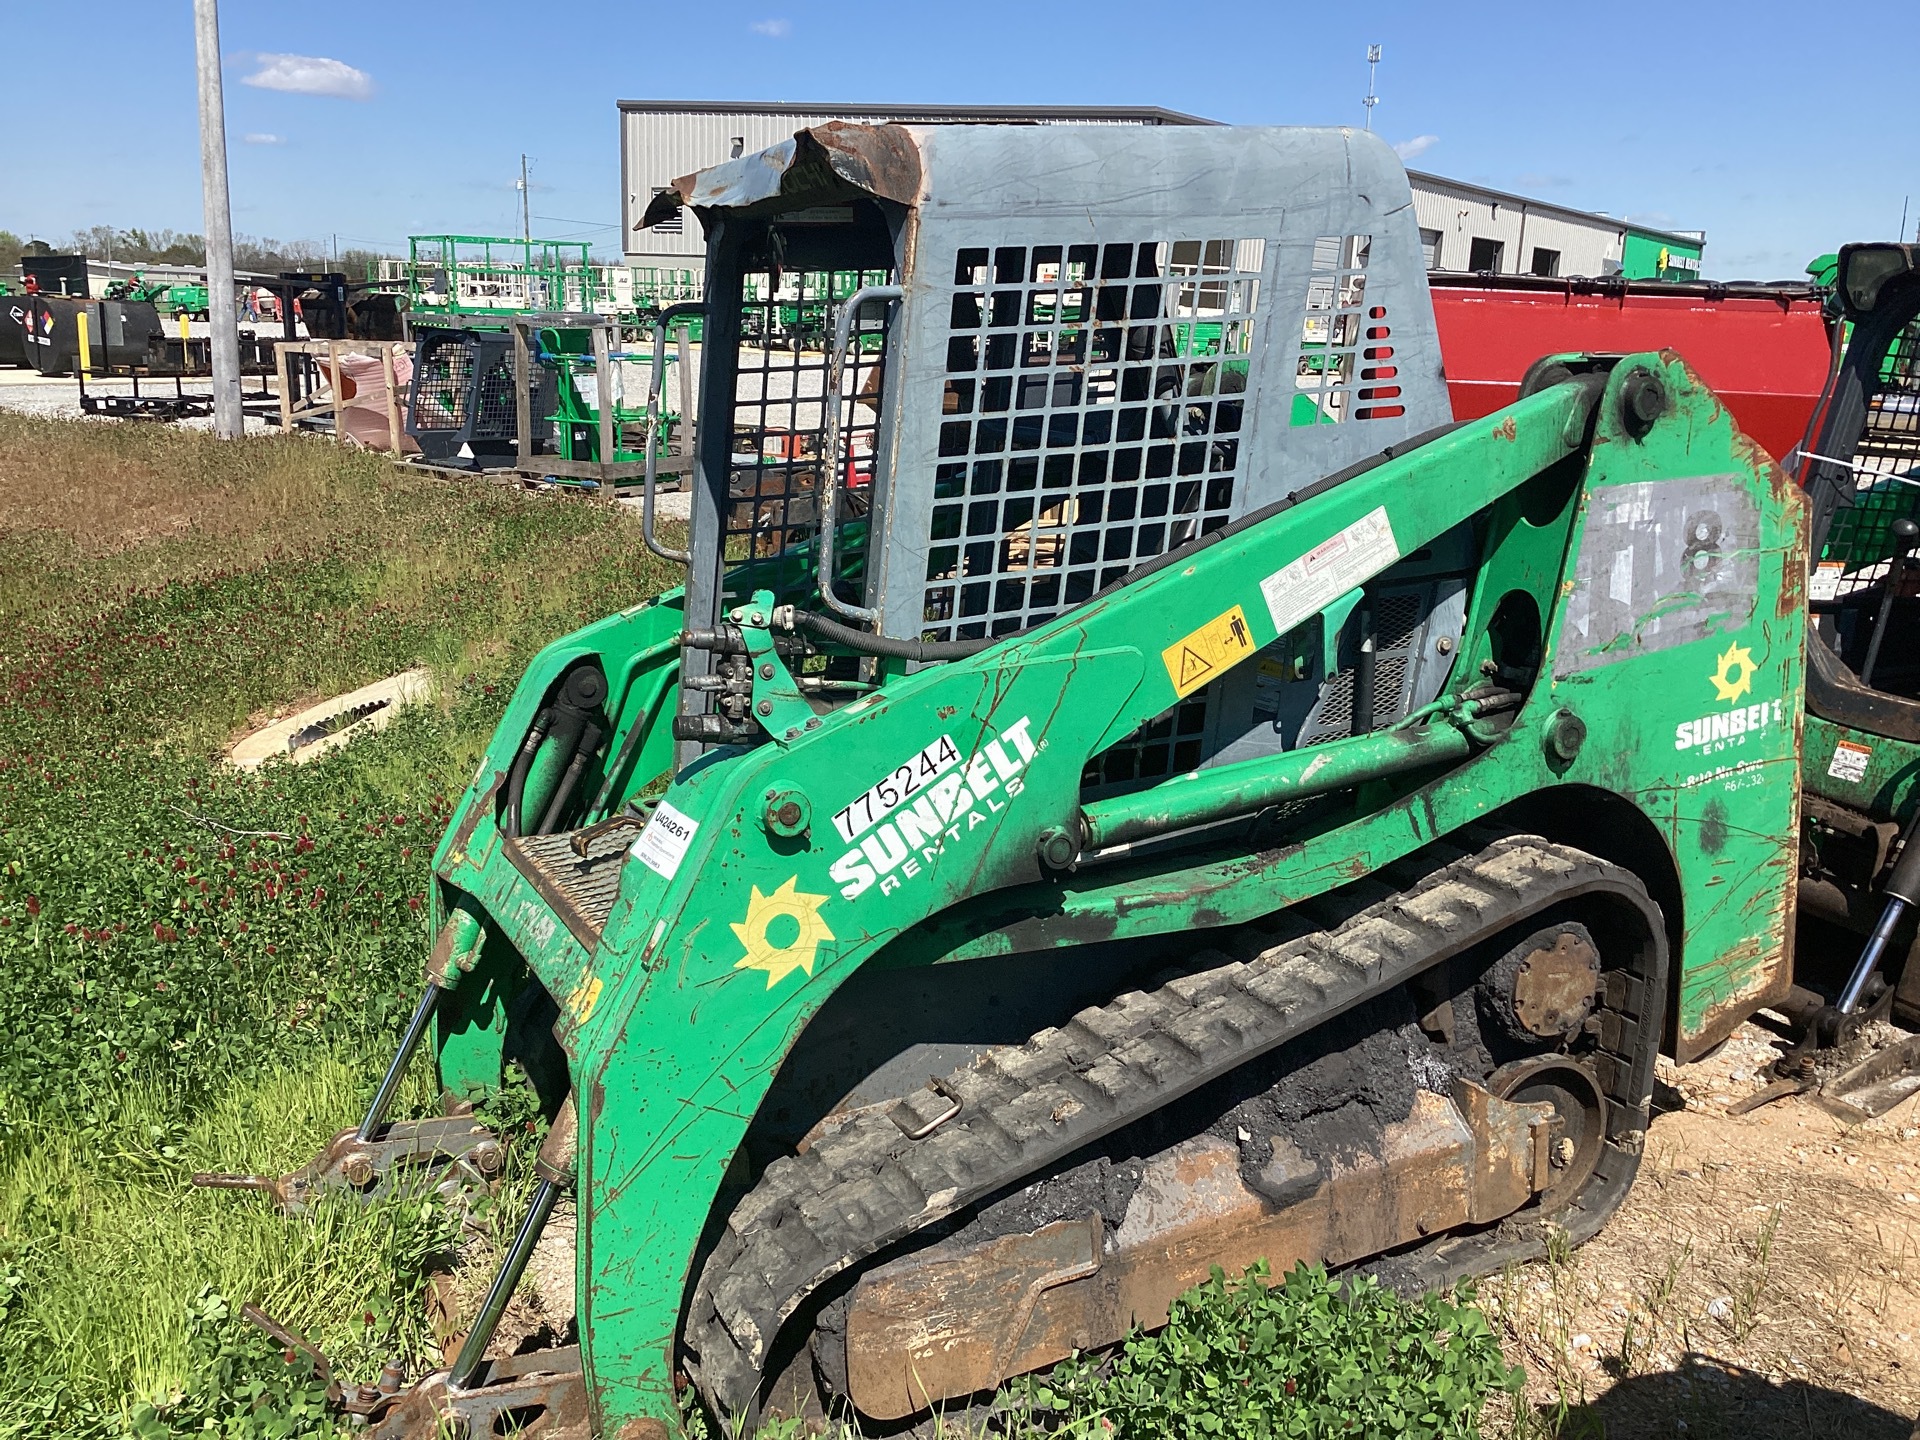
[{"x": 663, "y": 844}]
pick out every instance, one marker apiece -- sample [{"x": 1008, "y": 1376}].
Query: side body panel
[{"x": 1873, "y": 774}]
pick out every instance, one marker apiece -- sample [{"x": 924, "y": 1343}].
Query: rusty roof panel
[{"x": 878, "y": 160}]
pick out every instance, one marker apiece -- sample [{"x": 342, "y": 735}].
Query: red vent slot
[
  {"x": 1381, "y": 392},
  {"x": 1380, "y": 412},
  {"x": 1377, "y": 352},
  {"x": 1378, "y": 332},
  {"x": 1380, "y": 372}
]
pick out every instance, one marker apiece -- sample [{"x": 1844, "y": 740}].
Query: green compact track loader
[{"x": 1112, "y": 830}]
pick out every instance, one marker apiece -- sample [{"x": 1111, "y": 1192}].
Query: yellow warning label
[
  {"x": 585, "y": 999},
  {"x": 1211, "y": 650}
]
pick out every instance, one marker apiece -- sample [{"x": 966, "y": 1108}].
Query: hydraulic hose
[
  {"x": 522, "y": 763},
  {"x": 583, "y": 751},
  {"x": 571, "y": 718},
  {"x": 636, "y": 732},
  {"x": 789, "y": 618}
]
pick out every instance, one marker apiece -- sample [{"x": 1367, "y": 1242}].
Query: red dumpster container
[{"x": 1763, "y": 348}]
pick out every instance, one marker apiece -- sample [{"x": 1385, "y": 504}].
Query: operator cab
[
  {"x": 1862, "y": 476},
  {"x": 955, "y": 381},
  {"x": 1863, "y": 481}
]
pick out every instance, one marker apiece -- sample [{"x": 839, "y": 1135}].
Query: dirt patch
[
  {"x": 541, "y": 1312},
  {"x": 1761, "y": 1279}
]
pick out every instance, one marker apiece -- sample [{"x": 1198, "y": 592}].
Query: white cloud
[
  {"x": 1533, "y": 180},
  {"x": 1413, "y": 149},
  {"x": 310, "y": 75},
  {"x": 772, "y": 29},
  {"x": 260, "y": 137}
]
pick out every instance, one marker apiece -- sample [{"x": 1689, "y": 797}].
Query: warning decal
[
  {"x": 1850, "y": 762},
  {"x": 1824, "y": 583},
  {"x": 1211, "y": 650},
  {"x": 1329, "y": 570}
]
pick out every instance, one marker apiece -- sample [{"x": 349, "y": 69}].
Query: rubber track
[{"x": 866, "y": 1185}]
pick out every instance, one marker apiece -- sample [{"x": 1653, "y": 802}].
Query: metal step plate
[{"x": 580, "y": 888}]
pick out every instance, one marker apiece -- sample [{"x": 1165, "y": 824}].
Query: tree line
[{"x": 136, "y": 246}]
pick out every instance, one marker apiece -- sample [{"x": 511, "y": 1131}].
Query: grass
[
  {"x": 120, "y": 1248},
  {"x": 1751, "y": 1286},
  {"x": 1250, "y": 1357},
  {"x": 182, "y": 996},
  {"x": 201, "y": 970}
]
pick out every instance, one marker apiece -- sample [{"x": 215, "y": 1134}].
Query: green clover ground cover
[
  {"x": 181, "y": 993},
  {"x": 1306, "y": 1357}
]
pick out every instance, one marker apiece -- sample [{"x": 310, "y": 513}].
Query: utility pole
[
  {"x": 228, "y": 422},
  {"x": 526, "y": 220},
  {"x": 1373, "y": 64}
]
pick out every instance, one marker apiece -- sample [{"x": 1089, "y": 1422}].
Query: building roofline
[
  {"x": 1508, "y": 197},
  {"x": 1153, "y": 114},
  {"x": 1684, "y": 237}
]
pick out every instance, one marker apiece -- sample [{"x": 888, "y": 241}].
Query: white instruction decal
[
  {"x": 1850, "y": 762},
  {"x": 1824, "y": 583},
  {"x": 663, "y": 844},
  {"x": 1329, "y": 570}
]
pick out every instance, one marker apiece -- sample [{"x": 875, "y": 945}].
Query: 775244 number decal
[{"x": 896, "y": 788}]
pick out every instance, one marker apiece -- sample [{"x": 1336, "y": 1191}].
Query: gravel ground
[
  {"x": 31, "y": 393},
  {"x": 1760, "y": 1281},
  {"x": 667, "y": 504}
]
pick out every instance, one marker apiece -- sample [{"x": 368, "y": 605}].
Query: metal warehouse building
[
  {"x": 1462, "y": 227},
  {"x": 1469, "y": 227}
]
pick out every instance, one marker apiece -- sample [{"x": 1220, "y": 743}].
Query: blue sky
[{"x": 1695, "y": 115}]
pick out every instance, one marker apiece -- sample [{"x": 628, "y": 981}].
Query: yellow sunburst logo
[
  {"x": 1734, "y": 678},
  {"x": 782, "y": 932}
]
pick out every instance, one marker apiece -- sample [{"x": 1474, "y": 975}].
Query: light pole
[
  {"x": 224, "y": 323},
  {"x": 527, "y": 221}
]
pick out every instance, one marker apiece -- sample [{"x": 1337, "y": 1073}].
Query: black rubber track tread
[{"x": 866, "y": 1185}]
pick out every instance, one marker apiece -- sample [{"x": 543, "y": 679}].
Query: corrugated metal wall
[
  {"x": 1461, "y": 214},
  {"x": 659, "y": 146}
]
